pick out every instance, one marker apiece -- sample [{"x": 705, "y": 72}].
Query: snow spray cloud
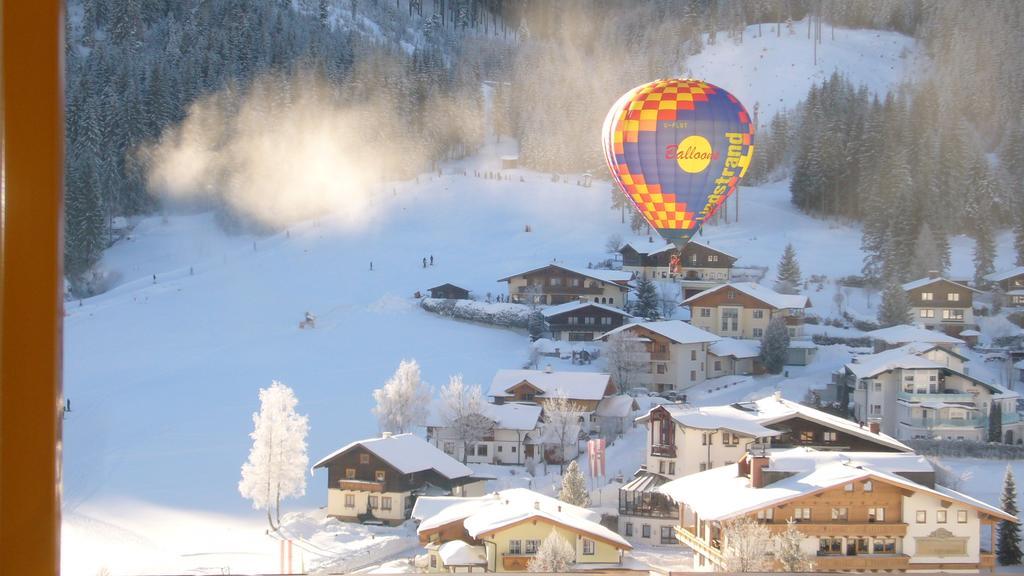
[{"x": 284, "y": 150}]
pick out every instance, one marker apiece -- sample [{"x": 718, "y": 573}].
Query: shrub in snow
[
  {"x": 536, "y": 325},
  {"x": 826, "y": 340},
  {"x": 555, "y": 554},
  {"x": 462, "y": 409},
  {"x": 574, "y": 487},
  {"x": 498, "y": 314},
  {"x": 278, "y": 461},
  {"x": 402, "y": 402},
  {"x": 1008, "y": 542},
  {"x": 747, "y": 545}
]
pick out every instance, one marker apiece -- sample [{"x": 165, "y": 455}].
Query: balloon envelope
[{"x": 677, "y": 148}]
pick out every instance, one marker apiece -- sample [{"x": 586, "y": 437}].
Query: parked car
[{"x": 638, "y": 392}]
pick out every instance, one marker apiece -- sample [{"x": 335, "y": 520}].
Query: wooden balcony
[
  {"x": 515, "y": 562},
  {"x": 892, "y": 529},
  {"x": 663, "y": 450},
  {"x": 987, "y": 560},
  {"x": 663, "y": 356},
  {"x": 361, "y": 485},
  {"x": 861, "y": 562},
  {"x": 690, "y": 539}
]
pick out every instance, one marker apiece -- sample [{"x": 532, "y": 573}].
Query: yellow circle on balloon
[{"x": 694, "y": 154}]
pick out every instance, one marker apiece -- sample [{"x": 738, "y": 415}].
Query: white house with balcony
[{"x": 923, "y": 391}]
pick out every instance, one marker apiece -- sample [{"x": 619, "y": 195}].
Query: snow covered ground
[{"x": 163, "y": 374}]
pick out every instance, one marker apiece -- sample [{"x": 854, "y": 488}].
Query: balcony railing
[
  {"x": 714, "y": 555},
  {"x": 861, "y": 562},
  {"x": 361, "y": 485},
  {"x": 891, "y": 529},
  {"x": 560, "y": 289},
  {"x": 938, "y": 397},
  {"x": 975, "y": 422},
  {"x": 663, "y": 450},
  {"x": 1011, "y": 417}
]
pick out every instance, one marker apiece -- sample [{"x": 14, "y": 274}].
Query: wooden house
[
  {"x": 557, "y": 284},
  {"x": 449, "y": 292},
  {"x": 744, "y": 309},
  {"x": 675, "y": 352},
  {"x": 942, "y": 304},
  {"x": 1011, "y": 286},
  {"x": 698, "y": 267},
  {"x": 581, "y": 321}
]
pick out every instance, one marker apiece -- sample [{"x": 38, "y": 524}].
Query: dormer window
[
  {"x": 927, "y": 296},
  {"x": 379, "y": 475},
  {"x": 953, "y": 296}
]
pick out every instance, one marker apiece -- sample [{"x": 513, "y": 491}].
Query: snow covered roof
[
  {"x": 408, "y": 453},
  {"x": 610, "y": 276},
  {"x": 736, "y": 348},
  {"x": 574, "y": 385},
  {"x": 759, "y": 292},
  {"x": 620, "y": 406},
  {"x": 904, "y": 357},
  {"x": 772, "y": 409},
  {"x": 905, "y": 333},
  {"x": 498, "y": 516},
  {"x": 1005, "y": 274},
  {"x": 812, "y": 471},
  {"x": 970, "y": 332},
  {"x": 675, "y": 330},
  {"x": 459, "y": 553},
  {"x": 648, "y": 251},
  {"x": 571, "y": 306},
  {"x": 510, "y": 416},
  {"x": 922, "y": 282},
  {"x": 715, "y": 418}
]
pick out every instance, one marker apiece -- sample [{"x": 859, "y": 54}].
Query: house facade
[
  {"x": 504, "y": 530},
  {"x": 581, "y": 321},
  {"x": 673, "y": 352},
  {"x": 379, "y": 479},
  {"x": 903, "y": 334},
  {"x": 744, "y": 309},
  {"x": 1011, "y": 285},
  {"x": 922, "y": 391},
  {"x": 557, "y": 284},
  {"x": 508, "y": 441},
  {"x": 941, "y": 304},
  {"x": 698, "y": 267},
  {"x": 860, "y": 512},
  {"x": 733, "y": 357}
]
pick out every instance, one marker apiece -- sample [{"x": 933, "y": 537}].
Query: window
[
  {"x": 885, "y": 546},
  {"x": 499, "y": 447},
  {"x": 645, "y": 531},
  {"x": 449, "y": 447},
  {"x": 757, "y": 332},
  {"x": 666, "y": 535},
  {"x": 385, "y": 503},
  {"x": 861, "y": 545},
  {"x": 868, "y": 486},
  {"x": 807, "y": 436},
  {"x": 350, "y": 500},
  {"x": 712, "y": 257},
  {"x": 573, "y": 320},
  {"x": 927, "y": 313},
  {"x": 725, "y": 438},
  {"x": 588, "y": 547},
  {"x": 758, "y": 314},
  {"x": 878, "y": 386},
  {"x": 661, "y": 466},
  {"x": 730, "y": 319},
  {"x": 841, "y": 514},
  {"x": 705, "y": 312},
  {"x": 364, "y": 458},
  {"x": 801, "y": 514},
  {"x": 662, "y": 369},
  {"x": 922, "y": 516},
  {"x": 532, "y": 546},
  {"x": 433, "y": 561},
  {"x": 693, "y": 375},
  {"x": 606, "y": 321},
  {"x": 940, "y": 516},
  {"x": 372, "y": 501},
  {"x": 379, "y": 475},
  {"x": 611, "y": 300},
  {"x": 481, "y": 450},
  {"x": 848, "y": 487},
  {"x": 927, "y": 296},
  {"x": 953, "y": 296},
  {"x": 704, "y": 438},
  {"x": 574, "y": 282},
  {"x": 876, "y": 514},
  {"x": 515, "y": 547},
  {"x": 830, "y": 436},
  {"x": 589, "y": 320},
  {"x": 629, "y": 529},
  {"x": 718, "y": 365},
  {"x": 876, "y": 409},
  {"x": 703, "y": 466},
  {"x": 555, "y": 281},
  {"x": 961, "y": 516},
  {"x": 693, "y": 355},
  {"x": 952, "y": 314},
  {"x": 350, "y": 473},
  {"x": 671, "y": 468},
  {"x": 767, "y": 514},
  {"x": 830, "y": 546}
]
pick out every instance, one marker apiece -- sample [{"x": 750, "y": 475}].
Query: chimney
[
  {"x": 933, "y": 274},
  {"x": 757, "y": 466},
  {"x": 559, "y": 507},
  {"x": 875, "y": 426},
  {"x": 548, "y": 369},
  {"x": 536, "y": 504},
  {"x": 777, "y": 395},
  {"x": 743, "y": 468},
  {"x": 385, "y": 435}
]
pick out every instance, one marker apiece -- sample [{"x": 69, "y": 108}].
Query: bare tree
[
  {"x": 670, "y": 296},
  {"x": 625, "y": 359},
  {"x": 746, "y": 541},
  {"x": 613, "y": 243},
  {"x": 462, "y": 408},
  {"x": 561, "y": 424}
]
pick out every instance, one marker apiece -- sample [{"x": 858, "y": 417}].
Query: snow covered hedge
[
  {"x": 826, "y": 340},
  {"x": 496, "y": 313},
  {"x": 968, "y": 449}
]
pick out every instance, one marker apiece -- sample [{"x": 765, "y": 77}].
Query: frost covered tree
[
  {"x": 774, "y": 344},
  {"x": 787, "y": 545},
  {"x": 788, "y": 276},
  {"x": 574, "y": 487},
  {"x": 1008, "y": 541},
  {"x": 402, "y": 402},
  {"x": 746, "y": 541},
  {"x": 646, "y": 305},
  {"x": 895, "y": 307},
  {"x": 462, "y": 408},
  {"x": 624, "y": 359},
  {"x": 927, "y": 256},
  {"x": 278, "y": 461},
  {"x": 984, "y": 254},
  {"x": 561, "y": 425},
  {"x": 555, "y": 554},
  {"x": 536, "y": 324}
]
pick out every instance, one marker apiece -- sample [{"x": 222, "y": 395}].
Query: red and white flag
[{"x": 596, "y": 452}]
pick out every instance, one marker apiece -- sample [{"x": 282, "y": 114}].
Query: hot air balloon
[{"x": 677, "y": 148}]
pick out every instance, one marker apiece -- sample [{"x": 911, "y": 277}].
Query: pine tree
[
  {"x": 995, "y": 423},
  {"x": 984, "y": 255},
  {"x": 574, "y": 487},
  {"x": 1008, "y": 540},
  {"x": 895, "y": 307},
  {"x": 646, "y": 300},
  {"x": 1018, "y": 236},
  {"x": 774, "y": 345},
  {"x": 536, "y": 324},
  {"x": 927, "y": 257},
  {"x": 788, "y": 274}
]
